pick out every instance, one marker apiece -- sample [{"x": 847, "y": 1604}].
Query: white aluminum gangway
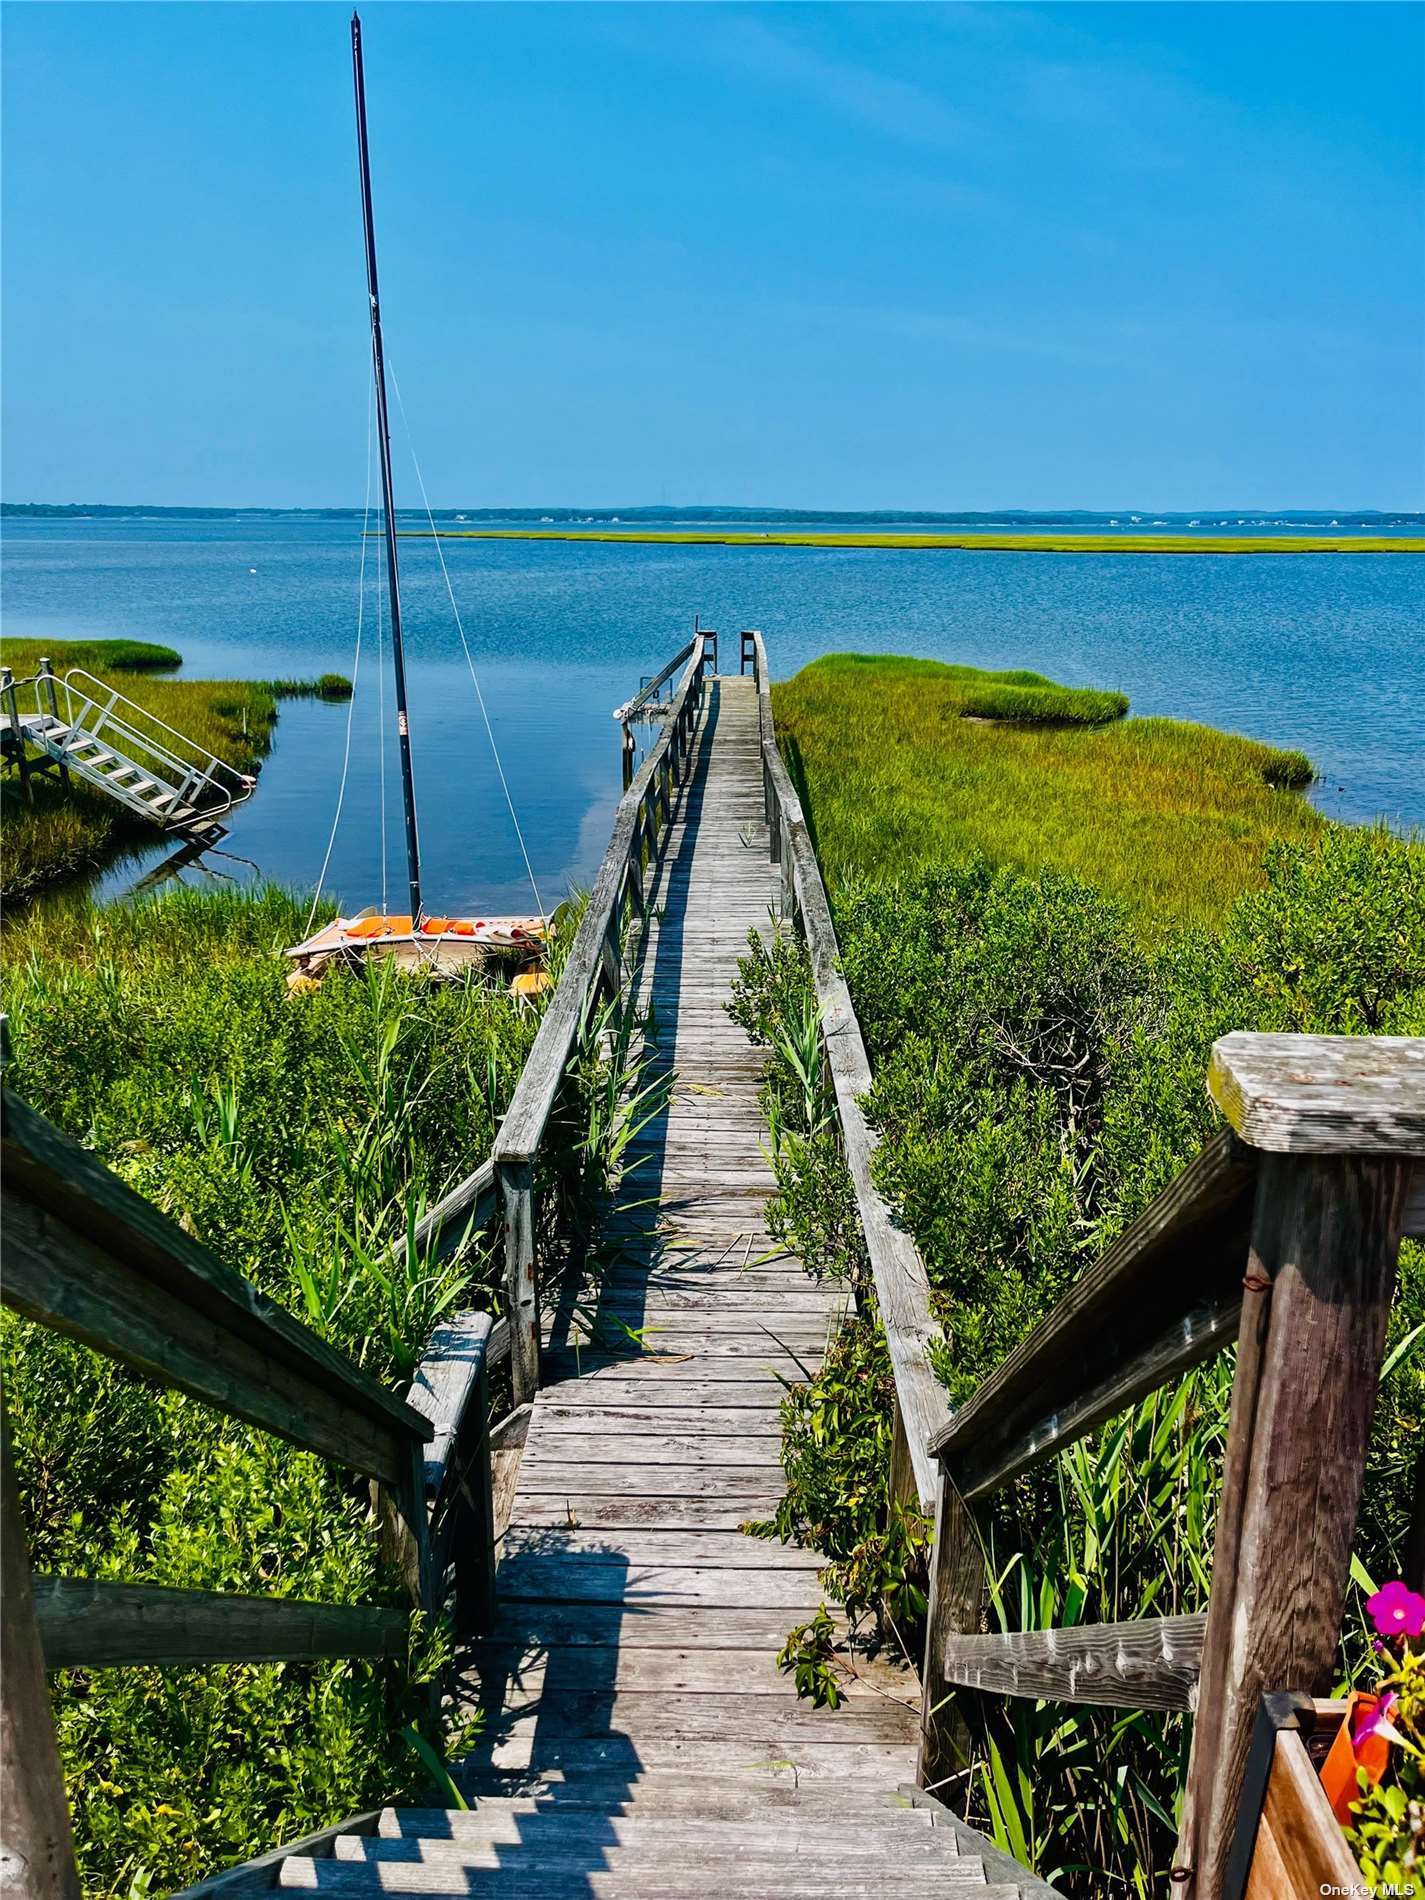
[{"x": 79, "y": 725}]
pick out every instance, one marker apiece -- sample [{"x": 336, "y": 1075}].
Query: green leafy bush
[{"x": 1038, "y": 1078}]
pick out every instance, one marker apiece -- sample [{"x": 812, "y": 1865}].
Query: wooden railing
[
  {"x": 901, "y": 1283},
  {"x": 88, "y": 1257},
  {"x": 1281, "y": 1237},
  {"x": 593, "y": 970}
]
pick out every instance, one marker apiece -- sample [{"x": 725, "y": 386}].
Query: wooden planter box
[{"x": 1288, "y": 1842}]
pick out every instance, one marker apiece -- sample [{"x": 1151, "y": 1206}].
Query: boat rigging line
[
  {"x": 465, "y": 644},
  {"x": 355, "y": 677}
]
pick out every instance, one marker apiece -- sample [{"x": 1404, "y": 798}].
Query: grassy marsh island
[
  {"x": 968, "y": 543},
  {"x": 71, "y": 831},
  {"x": 1044, "y": 930},
  {"x": 912, "y": 763}
]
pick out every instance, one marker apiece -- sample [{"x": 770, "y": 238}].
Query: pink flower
[
  {"x": 1396, "y": 1611},
  {"x": 1378, "y": 1722}
]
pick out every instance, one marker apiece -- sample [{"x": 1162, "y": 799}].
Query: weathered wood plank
[
  {"x": 90, "y": 1624},
  {"x": 902, "y": 1285},
  {"x": 185, "y": 1339},
  {"x": 452, "y": 1390},
  {"x": 1145, "y": 1665},
  {"x": 447, "y": 1380},
  {"x": 688, "y": 1389},
  {"x": 579, "y": 1510},
  {"x": 696, "y": 1550},
  {"x": 567, "y": 1580},
  {"x": 523, "y": 1128},
  {"x": 736, "y": 1369},
  {"x": 465, "y": 1210},
  {"x": 89, "y": 1257},
  {"x": 760, "y": 1749},
  {"x": 722, "y": 1421},
  {"x": 1322, "y": 1094},
  {"x": 1300, "y": 1846},
  {"x": 639, "y": 1625},
  {"x": 648, "y": 1480},
  {"x": 562, "y": 1448},
  {"x": 580, "y": 1714}
]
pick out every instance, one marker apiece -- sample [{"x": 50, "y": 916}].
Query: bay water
[{"x": 1322, "y": 652}]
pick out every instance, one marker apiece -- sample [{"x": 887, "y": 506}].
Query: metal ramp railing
[{"x": 81, "y": 726}]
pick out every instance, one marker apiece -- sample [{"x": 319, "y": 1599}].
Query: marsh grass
[
  {"x": 1038, "y": 1079},
  {"x": 95, "y": 656},
  {"x": 1170, "y": 818},
  {"x": 74, "y": 830},
  {"x": 300, "y": 1137}
]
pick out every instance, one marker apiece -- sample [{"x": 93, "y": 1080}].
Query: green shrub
[{"x": 1038, "y": 1078}]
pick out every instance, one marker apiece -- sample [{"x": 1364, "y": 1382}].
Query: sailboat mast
[{"x": 393, "y": 579}]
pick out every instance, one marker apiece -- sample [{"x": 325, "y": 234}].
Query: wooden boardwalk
[
  {"x": 637, "y": 1737},
  {"x": 638, "y": 1624}
]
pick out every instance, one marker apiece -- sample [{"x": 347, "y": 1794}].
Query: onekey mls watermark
[{"x": 1366, "y": 1890}]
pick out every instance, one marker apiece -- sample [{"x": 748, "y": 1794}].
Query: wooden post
[
  {"x": 47, "y": 676},
  {"x": 955, "y": 1602},
  {"x": 515, "y": 1180},
  {"x": 17, "y": 733},
  {"x": 36, "y": 1845},
  {"x": 475, "y": 1552},
  {"x": 405, "y": 1527},
  {"x": 1340, "y": 1119}
]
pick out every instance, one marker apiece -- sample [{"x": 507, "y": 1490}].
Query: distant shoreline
[
  {"x": 691, "y": 518},
  {"x": 966, "y": 543}
]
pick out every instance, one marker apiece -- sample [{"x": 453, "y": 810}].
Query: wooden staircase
[{"x": 669, "y": 1836}]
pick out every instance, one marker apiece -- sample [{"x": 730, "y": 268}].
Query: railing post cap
[{"x": 1322, "y": 1094}]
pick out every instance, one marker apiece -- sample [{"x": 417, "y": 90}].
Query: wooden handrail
[
  {"x": 1282, "y": 1235},
  {"x": 1150, "y": 1663},
  {"x": 1163, "y": 1297},
  {"x": 467, "y": 1206},
  {"x": 592, "y": 968},
  {"x": 901, "y": 1282},
  {"x": 645, "y": 693},
  {"x": 87, "y": 1256},
  {"x": 101, "y": 1625}
]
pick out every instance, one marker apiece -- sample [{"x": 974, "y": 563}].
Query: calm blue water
[{"x": 1324, "y": 652}]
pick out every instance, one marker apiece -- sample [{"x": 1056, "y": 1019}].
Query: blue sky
[{"x": 846, "y": 256}]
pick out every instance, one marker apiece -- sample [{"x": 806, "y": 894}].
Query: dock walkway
[{"x": 637, "y": 1736}]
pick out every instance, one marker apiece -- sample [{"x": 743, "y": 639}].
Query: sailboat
[{"x": 416, "y": 937}]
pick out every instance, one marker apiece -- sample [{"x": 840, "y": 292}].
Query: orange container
[{"x": 1338, "y": 1771}]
